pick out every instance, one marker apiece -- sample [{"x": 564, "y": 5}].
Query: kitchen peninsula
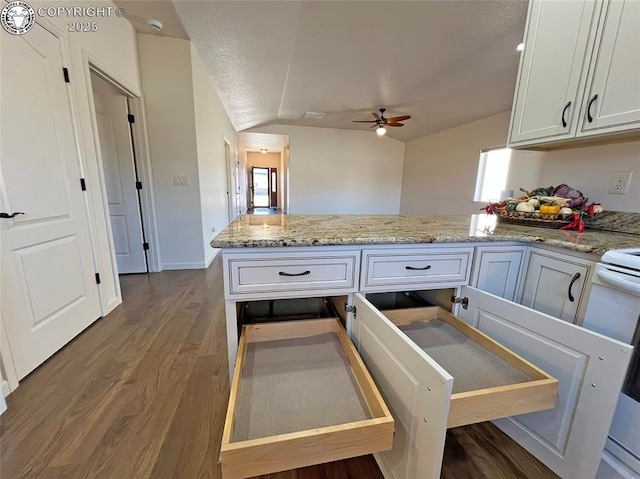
[{"x": 524, "y": 288}]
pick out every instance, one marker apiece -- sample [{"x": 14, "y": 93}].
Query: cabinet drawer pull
[
  {"x": 413, "y": 268},
  {"x": 304, "y": 273},
  {"x": 564, "y": 111},
  {"x": 573, "y": 280},
  {"x": 593, "y": 98}
]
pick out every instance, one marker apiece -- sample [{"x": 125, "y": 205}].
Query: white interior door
[
  {"x": 49, "y": 292},
  {"x": 591, "y": 368},
  {"x": 120, "y": 178}
]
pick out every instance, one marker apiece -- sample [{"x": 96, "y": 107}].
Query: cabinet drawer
[
  {"x": 489, "y": 380},
  {"x": 416, "y": 267},
  {"x": 272, "y": 273},
  {"x": 437, "y": 372},
  {"x": 333, "y": 411}
]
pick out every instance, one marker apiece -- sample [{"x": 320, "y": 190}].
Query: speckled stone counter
[{"x": 255, "y": 231}]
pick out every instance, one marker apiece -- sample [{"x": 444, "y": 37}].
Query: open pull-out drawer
[
  {"x": 300, "y": 396},
  {"x": 489, "y": 380},
  {"x": 427, "y": 397}
]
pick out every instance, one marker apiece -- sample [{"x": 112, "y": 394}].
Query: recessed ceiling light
[
  {"x": 314, "y": 115},
  {"x": 520, "y": 47},
  {"x": 381, "y": 130},
  {"x": 263, "y": 151}
]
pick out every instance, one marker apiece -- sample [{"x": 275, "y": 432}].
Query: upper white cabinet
[
  {"x": 551, "y": 70},
  {"x": 579, "y": 73},
  {"x": 612, "y": 102}
]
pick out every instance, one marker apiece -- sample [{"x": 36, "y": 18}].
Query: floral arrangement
[{"x": 548, "y": 203}]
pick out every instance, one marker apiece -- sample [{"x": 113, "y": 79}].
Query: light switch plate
[
  {"x": 619, "y": 183},
  {"x": 181, "y": 181}
]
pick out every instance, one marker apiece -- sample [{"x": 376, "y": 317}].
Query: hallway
[{"x": 143, "y": 393}]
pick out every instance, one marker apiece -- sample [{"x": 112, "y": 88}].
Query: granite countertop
[{"x": 256, "y": 231}]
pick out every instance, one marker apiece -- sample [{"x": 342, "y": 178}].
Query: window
[{"x": 493, "y": 169}]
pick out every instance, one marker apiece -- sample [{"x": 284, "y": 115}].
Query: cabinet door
[
  {"x": 591, "y": 368},
  {"x": 612, "y": 102},
  {"x": 496, "y": 270},
  {"x": 558, "y": 38},
  {"x": 555, "y": 286},
  {"x": 416, "y": 389}
]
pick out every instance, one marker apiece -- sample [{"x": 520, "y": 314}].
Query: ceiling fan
[{"x": 381, "y": 122}]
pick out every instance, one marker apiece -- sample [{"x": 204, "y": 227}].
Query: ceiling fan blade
[
  {"x": 394, "y": 124},
  {"x": 376, "y": 116},
  {"x": 373, "y": 126},
  {"x": 400, "y": 118},
  {"x": 364, "y": 121}
]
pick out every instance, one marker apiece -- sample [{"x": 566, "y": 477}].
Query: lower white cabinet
[
  {"x": 568, "y": 438},
  {"x": 497, "y": 270},
  {"x": 567, "y": 432},
  {"x": 556, "y": 284}
]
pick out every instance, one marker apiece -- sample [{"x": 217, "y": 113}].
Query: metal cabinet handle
[
  {"x": 593, "y": 98},
  {"x": 282, "y": 273},
  {"x": 413, "y": 268},
  {"x": 573, "y": 280},
  {"x": 7, "y": 215},
  {"x": 564, "y": 111}
]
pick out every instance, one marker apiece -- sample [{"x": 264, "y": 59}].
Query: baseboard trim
[
  {"x": 174, "y": 266},
  {"x": 216, "y": 251},
  {"x": 5, "y": 388}
]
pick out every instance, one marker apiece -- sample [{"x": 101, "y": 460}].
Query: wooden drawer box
[
  {"x": 489, "y": 380},
  {"x": 300, "y": 396},
  {"x": 442, "y": 268},
  {"x": 290, "y": 272}
]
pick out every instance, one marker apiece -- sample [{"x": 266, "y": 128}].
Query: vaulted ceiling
[{"x": 445, "y": 62}]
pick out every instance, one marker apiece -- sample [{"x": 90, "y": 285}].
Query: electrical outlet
[
  {"x": 619, "y": 183},
  {"x": 180, "y": 181}
]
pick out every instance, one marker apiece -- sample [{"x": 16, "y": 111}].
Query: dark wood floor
[{"x": 143, "y": 393}]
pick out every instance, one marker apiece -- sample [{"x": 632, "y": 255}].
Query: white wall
[
  {"x": 341, "y": 171},
  {"x": 440, "y": 170},
  {"x": 165, "y": 65},
  {"x": 588, "y": 169},
  {"x": 212, "y": 128}
]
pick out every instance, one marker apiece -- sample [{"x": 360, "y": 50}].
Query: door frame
[
  {"x": 142, "y": 155},
  {"x": 92, "y": 170}
]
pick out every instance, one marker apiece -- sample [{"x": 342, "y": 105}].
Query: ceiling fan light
[{"x": 381, "y": 130}]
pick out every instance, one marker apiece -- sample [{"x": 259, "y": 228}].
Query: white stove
[{"x": 614, "y": 310}]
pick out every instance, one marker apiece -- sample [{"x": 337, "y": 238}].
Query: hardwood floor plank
[{"x": 143, "y": 393}]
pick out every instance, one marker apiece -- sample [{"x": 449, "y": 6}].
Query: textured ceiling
[
  {"x": 443, "y": 62},
  {"x": 256, "y": 141}
]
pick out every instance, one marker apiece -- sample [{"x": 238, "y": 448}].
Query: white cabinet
[
  {"x": 612, "y": 100},
  {"x": 547, "y": 96},
  {"x": 496, "y": 270},
  {"x": 556, "y": 284},
  {"x": 579, "y": 73}
]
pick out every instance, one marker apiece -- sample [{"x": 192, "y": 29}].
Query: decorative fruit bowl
[{"x": 560, "y": 207}]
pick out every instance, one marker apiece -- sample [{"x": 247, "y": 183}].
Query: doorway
[
  {"x": 114, "y": 124},
  {"x": 264, "y": 187}
]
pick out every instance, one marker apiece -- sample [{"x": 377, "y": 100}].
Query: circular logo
[{"x": 17, "y": 17}]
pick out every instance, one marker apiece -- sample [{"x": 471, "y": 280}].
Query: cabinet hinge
[
  {"x": 350, "y": 308},
  {"x": 145, "y": 246},
  {"x": 131, "y": 118},
  {"x": 138, "y": 185},
  {"x": 463, "y": 301},
  {"x": 97, "y": 278},
  {"x": 83, "y": 184},
  {"x": 65, "y": 74}
]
